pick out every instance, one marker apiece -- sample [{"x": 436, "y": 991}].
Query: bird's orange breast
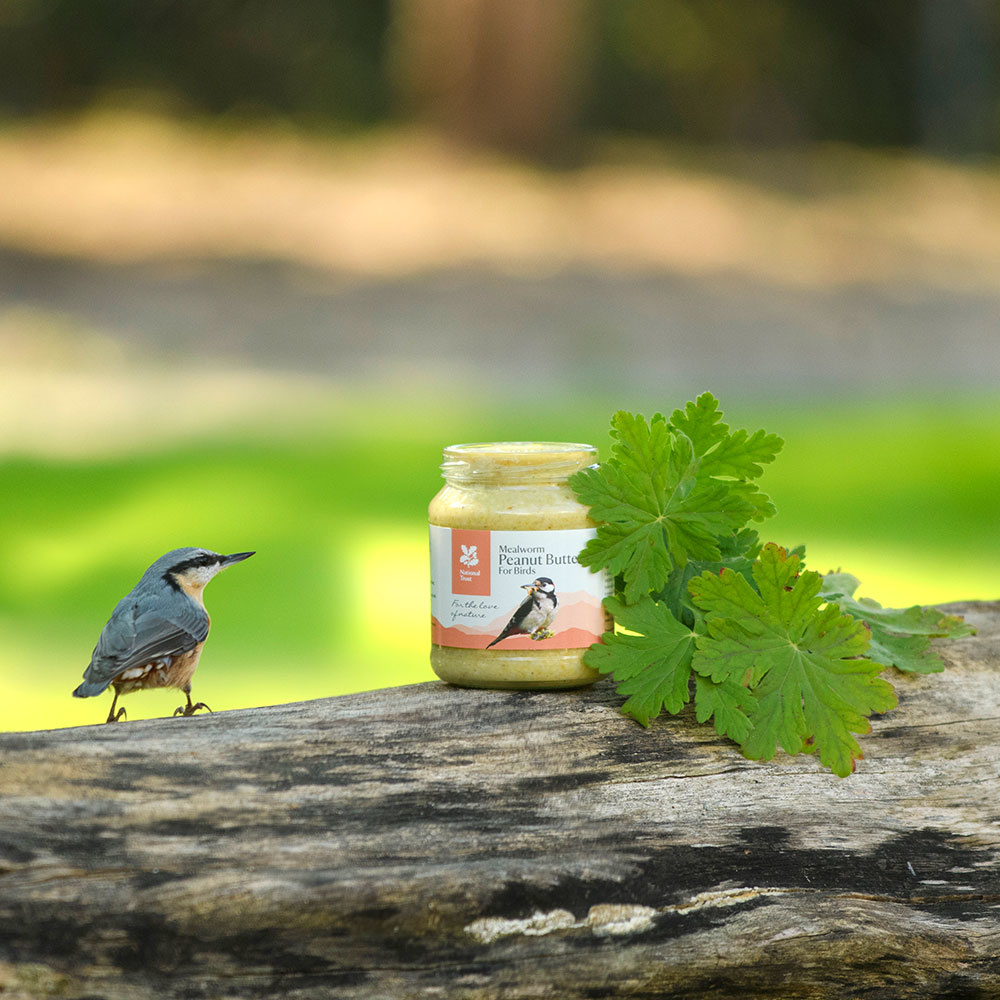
[{"x": 176, "y": 674}]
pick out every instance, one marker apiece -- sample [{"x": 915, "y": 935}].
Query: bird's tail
[
  {"x": 502, "y": 635},
  {"x": 89, "y": 688}
]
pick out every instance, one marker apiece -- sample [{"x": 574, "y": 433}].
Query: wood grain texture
[{"x": 428, "y": 841}]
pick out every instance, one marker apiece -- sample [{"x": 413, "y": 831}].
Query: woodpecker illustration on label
[
  {"x": 536, "y": 613},
  {"x": 478, "y": 576}
]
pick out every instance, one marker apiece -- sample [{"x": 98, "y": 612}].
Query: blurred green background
[{"x": 259, "y": 264}]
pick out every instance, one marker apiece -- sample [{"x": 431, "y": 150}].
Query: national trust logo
[{"x": 470, "y": 561}]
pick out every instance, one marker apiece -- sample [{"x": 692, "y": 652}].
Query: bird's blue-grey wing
[{"x": 137, "y": 634}]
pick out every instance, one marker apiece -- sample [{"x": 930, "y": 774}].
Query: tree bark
[{"x": 428, "y": 841}]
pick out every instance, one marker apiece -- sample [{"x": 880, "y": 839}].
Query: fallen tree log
[{"x": 430, "y": 841}]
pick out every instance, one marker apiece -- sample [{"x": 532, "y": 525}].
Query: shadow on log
[{"x": 428, "y": 841}]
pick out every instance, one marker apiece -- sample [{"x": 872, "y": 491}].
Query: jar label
[{"x": 515, "y": 590}]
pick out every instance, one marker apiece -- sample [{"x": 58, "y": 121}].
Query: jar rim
[{"x": 512, "y": 460}]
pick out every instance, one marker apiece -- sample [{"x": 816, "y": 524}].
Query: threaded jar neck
[{"x": 509, "y": 463}]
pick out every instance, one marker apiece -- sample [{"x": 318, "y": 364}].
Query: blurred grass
[{"x": 903, "y": 493}]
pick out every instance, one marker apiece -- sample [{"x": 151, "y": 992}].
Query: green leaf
[
  {"x": 652, "y": 665},
  {"x": 701, "y": 422},
  {"x": 781, "y": 656},
  {"x": 671, "y": 493},
  {"x": 742, "y": 454},
  {"x": 801, "y": 660},
  {"x": 899, "y": 638},
  {"x": 738, "y": 455},
  {"x": 722, "y": 702},
  {"x": 738, "y": 552}
]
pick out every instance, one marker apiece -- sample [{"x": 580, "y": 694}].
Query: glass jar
[{"x": 511, "y": 606}]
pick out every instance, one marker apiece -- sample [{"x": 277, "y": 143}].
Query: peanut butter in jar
[{"x": 511, "y": 606}]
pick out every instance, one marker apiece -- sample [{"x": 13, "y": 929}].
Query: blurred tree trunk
[
  {"x": 957, "y": 103},
  {"x": 499, "y": 73}
]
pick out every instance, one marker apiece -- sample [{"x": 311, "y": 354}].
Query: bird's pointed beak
[
  {"x": 529, "y": 587},
  {"x": 236, "y": 557}
]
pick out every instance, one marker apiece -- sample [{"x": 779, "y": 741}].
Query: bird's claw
[
  {"x": 544, "y": 633},
  {"x": 114, "y": 716},
  {"x": 190, "y": 709}
]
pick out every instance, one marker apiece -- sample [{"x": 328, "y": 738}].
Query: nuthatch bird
[{"x": 156, "y": 632}]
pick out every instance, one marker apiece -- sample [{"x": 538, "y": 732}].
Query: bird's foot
[
  {"x": 540, "y": 634},
  {"x": 190, "y": 709},
  {"x": 114, "y": 716}
]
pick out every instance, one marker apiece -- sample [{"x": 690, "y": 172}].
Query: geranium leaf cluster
[{"x": 772, "y": 654}]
